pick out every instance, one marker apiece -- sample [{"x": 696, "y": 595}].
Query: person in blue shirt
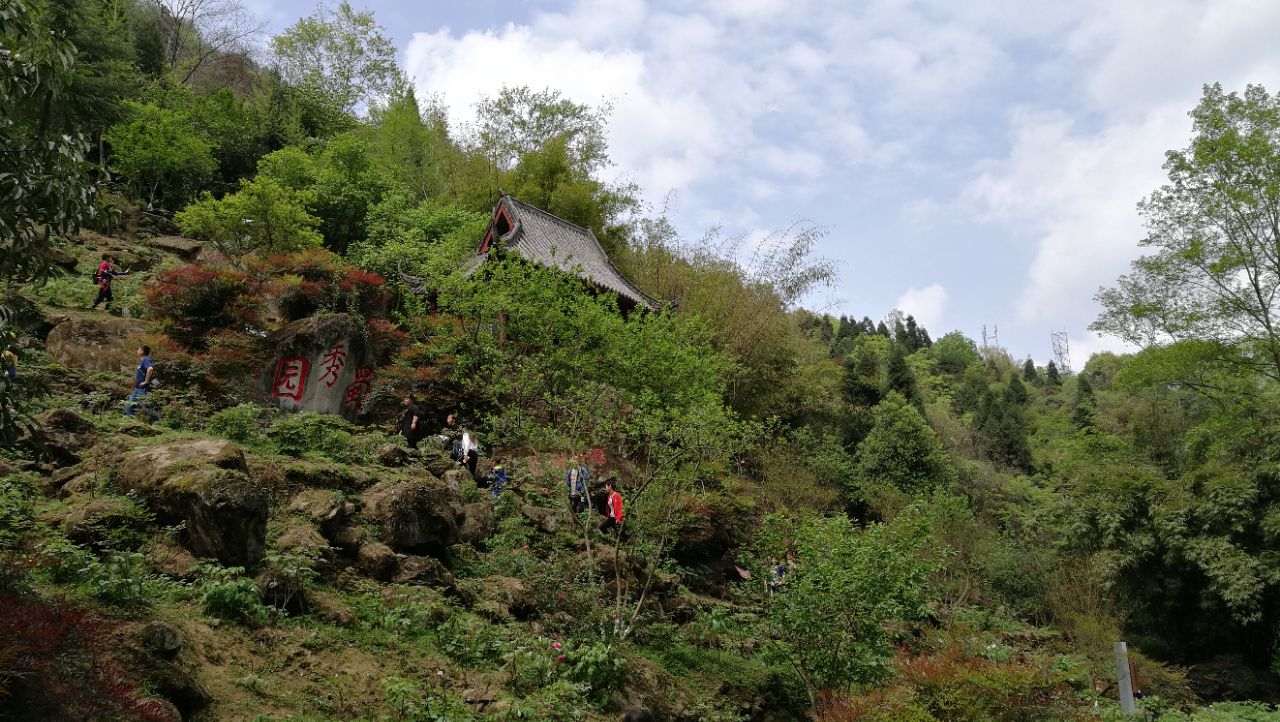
[
  {"x": 143, "y": 377},
  {"x": 499, "y": 479}
]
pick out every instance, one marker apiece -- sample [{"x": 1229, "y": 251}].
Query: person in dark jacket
[{"x": 411, "y": 424}]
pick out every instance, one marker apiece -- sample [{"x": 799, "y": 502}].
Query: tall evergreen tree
[
  {"x": 912, "y": 336},
  {"x": 902, "y": 450},
  {"x": 861, "y": 382},
  {"x": 868, "y": 326},
  {"x": 1029, "y": 373},
  {"x": 1016, "y": 391},
  {"x": 899, "y": 377},
  {"x": 1051, "y": 374},
  {"x": 1086, "y": 403},
  {"x": 883, "y": 330}
]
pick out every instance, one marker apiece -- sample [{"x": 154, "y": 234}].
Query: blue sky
[{"x": 974, "y": 163}]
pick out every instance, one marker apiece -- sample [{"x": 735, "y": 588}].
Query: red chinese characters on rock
[
  {"x": 335, "y": 359},
  {"x": 360, "y": 388},
  {"x": 291, "y": 378}
]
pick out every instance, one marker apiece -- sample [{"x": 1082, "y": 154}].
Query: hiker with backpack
[
  {"x": 613, "y": 510},
  {"x": 576, "y": 479},
  {"x": 103, "y": 277},
  {"x": 143, "y": 381}
]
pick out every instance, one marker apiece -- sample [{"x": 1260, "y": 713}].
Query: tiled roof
[{"x": 553, "y": 242}]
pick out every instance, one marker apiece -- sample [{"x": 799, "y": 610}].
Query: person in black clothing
[{"x": 411, "y": 424}]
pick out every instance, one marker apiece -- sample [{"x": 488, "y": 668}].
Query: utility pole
[{"x": 1124, "y": 681}]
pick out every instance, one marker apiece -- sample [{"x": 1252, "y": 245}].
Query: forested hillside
[{"x": 830, "y": 518}]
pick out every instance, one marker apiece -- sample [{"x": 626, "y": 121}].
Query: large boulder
[
  {"x": 323, "y": 508},
  {"x": 377, "y": 561},
  {"x": 478, "y": 522},
  {"x": 418, "y": 516},
  {"x": 323, "y": 364},
  {"x": 60, "y": 436},
  {"x": 545, "y": 519},
  {"x": 184, "y": 248},
  {"x": 202, "y": 483},
  {"x": 96, "y": 344}
]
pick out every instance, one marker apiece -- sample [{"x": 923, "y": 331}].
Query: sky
[{"x": 972, "y": 163}]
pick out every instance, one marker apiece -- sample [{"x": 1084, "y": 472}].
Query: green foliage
[
  {"x": 901, "y": 452},
  {"x": 1213, "y": 273},
  {"x": 341, "y": 56},
  {"x": 857, "y": 581},
  {"x": 329, "y": 437},
  {"x": 225, "y": 593},
  {"x": 42, "y": 171},
  {"x": 241, "y": 423},
  {"x": 161, "y": 153},
  {"x": 955, "y": 352},
  {"x": 262, "y": 216}
]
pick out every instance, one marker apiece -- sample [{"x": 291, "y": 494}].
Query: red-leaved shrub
[{"x": 55, "y": 662}]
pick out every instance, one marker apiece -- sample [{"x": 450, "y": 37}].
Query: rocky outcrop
[
  {"x": 93, "y": 521},
  {"x": 323, "y": 364},
  {"x": 478, "y": 522},
  {"x": 303, "y": 539},
  {"x": 547, "y": 520},
  {"x": 60, "y": 436},
  {"x": 323, "y": 508},
  {"x": 377, "y": 561},
  {"x": 96, "y": 344},
  {"x": 419, "y": 516},
  {"x": 184, "y": 248},
  {"x": 202, "y": 483}
]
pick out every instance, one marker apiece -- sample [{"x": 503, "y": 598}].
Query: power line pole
[{"x": 1061, "y": 351}]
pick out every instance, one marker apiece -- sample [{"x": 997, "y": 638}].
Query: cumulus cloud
[
  {"x": 926, "y": 304},
  {"x": 1071, "y": 181}
]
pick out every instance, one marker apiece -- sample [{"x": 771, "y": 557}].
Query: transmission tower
[
  {"x": 1061, "y": 351},
  {"x": 990, "y": 340}
]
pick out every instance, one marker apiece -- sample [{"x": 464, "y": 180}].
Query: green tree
[
  {"x": 43, "y": 175},
  {"x": 262, "y": 216},
  {"x": 1029, "y": 373},
  {"x": 902, "y": 451},
  {"x": 342, "y": 56},
  {"x": 834, "y": 614},
  {"x": 413, "y": 146},
  {"x": 519, "y": 121},
  {"x": 898, "y": 376},
  {"x": 161, "y": 153},
  {"x": 1214, "y": 229},
  {"x": 1051, "y": 375},
  {"x": 955, "y": 352},
  {"x": 862, "y": 383}
]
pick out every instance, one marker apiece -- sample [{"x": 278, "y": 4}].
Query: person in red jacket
[
  {"x": 105, "y": 275},
  {"x": 613, "y": 509}
]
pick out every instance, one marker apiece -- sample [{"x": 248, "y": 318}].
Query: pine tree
[
  {"x": 925, "y": 341},
  {"x": 913, "y": 341},
  {"x": 1029, "y": 373},
  {"x": 843, "y": 330},
  {"x": 1051, "y": 374},
  {"x": 883, "y": 330},
  {"x": 902, "y": 450},
  {"x": 900, "y": 334},
  {"x": 899, "y": 376},
  {"x": 861, "y": 383},
  {"x": 1086, "y": 404},
  {"x": 1016, "y": 391}
]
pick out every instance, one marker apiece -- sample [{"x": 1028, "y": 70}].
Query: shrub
[
  {"x": 55, "y": 662},
  {"x": 227, "y": 594},
  {"x": 238, "y": 423},
  {"x": 320, "y": 434},
  {"x": 190, "y": 301}
]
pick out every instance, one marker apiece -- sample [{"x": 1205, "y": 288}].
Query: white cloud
[
  {"x": 926, "y": 304},
  {"x": 1071, "y": 181}
]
